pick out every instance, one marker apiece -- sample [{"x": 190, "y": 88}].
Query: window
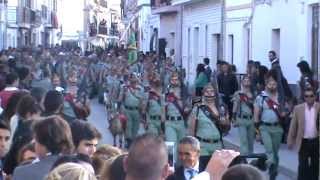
[
  {"x": 215, "y": 48},
  {"x": 276, "y": 41}
]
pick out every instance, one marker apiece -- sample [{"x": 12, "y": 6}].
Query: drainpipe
[
  {"x": 223, "y": 31},
  {"x": 181, "y": 36}
]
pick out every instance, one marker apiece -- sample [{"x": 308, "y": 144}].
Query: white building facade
[
  {"x": 201, "y": 34},
  {"x": 288, "y": 27}
]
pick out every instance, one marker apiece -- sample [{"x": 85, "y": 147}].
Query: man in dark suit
[{"x": 189, "y": 153}]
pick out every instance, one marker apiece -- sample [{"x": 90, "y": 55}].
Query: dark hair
[
  {"x": 23, "y": 73},
  {"x": 304, "y": 67},
  {"x": 243, "y": 172},
  {"x": 4, "y": 126},
  {"x": 27, "y": 105},
  {"x": 53, "y": 101},
  {"x": 273, "y": 53},
  {"x": 11, "y": 107},
  {"x": 83, "y": 131},
  {"x": 206, "y": 61},
  {"x": 38, "y": 93},
  {"x": 11, "y": 78},
  {"x": 116, "y": 169},
  {"x": 54, "y": 133},
  {"x": 28, "y": 147},
  {"x": 200, "y": 68},
  {"x": 310, "y": 89}
]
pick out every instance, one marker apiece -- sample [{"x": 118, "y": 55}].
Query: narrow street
[{"x": 98, "y": 118}]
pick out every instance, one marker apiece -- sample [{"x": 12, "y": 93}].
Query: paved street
[{"x": 98, "y": 118}]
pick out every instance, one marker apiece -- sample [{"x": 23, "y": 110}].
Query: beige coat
[{"x": 297, "y": 125}]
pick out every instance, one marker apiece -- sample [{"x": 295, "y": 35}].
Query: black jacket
[{"x": 179, "y": 173}]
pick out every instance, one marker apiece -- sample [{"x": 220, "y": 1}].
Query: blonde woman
[{"x": 71, "y": 171}]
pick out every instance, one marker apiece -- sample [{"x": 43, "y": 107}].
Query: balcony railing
[
  {"x": 12, "y": 15},
  {"x": 160, "y": 3},
  {"x": 24, "y": 16},
  {"x": 103, "y": 30}
]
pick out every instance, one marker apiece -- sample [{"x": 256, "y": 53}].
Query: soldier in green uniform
[
  {"x": 175, "y": 110},
  {"x": 243, "y": 116},
  {"x": 204, "y": 124},
  {"x": 154, "y": 103},
  {"x": 131, "y": 97},
  {"x": 268, "y": 117}
]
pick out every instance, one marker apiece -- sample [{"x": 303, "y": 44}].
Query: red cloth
[{"x": 5, "y": 96}]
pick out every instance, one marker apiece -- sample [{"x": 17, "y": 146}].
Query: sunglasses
[{"x": 308, "y": 96}]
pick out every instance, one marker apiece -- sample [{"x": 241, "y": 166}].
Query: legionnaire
[
  {"x": 267, "y": 114},
  {"x": 243, "y": 116},
  {"x": 155, "y": 101},
  {"x": 205, "y": 124},
  {"x": 131, "y": 97},
  {"x": 175, "y": 110}
]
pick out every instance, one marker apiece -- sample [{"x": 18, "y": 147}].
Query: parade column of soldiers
[
  {"x": 261, "y": 108},
  {"x": 151, "y": 91}
]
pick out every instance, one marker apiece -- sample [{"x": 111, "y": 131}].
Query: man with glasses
[{"x": 304, "y": 133}]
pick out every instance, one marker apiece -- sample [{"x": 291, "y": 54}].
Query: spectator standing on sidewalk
[
  {"x": 208, "y": 70},
  {"x": 267, "y": 116},
  {"x": 12, "y": 84},
  {"x": 304, "y": 133},
  {"x": 306, "y": 79},
  {"x": 4, "y": 145},
  {"x": 228, "y": 85},
  {"x": 201, "y": 79}
]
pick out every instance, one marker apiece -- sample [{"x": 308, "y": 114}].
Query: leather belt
[
  {"x": 173, "y": 118},
  {"x": 155, "y": 117},
  {"x": 270, "y": 124},
  {"x": 131, "y": 108},
  {"x": 245, "y": 117},
  {"x": 211, "y": 141}
]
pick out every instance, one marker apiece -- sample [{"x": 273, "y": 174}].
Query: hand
[
  {"x": 220, "y": 162},
  {"x": 290, "y": 146}
]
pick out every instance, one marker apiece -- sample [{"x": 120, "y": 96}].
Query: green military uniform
[
  {"x": 206, "y": 130},
  {"x": 132, "y": 102},
  {"x": 244, "y": 121},
  {"x": 270, "y": 129},
  {"x": 154, "y": 111},
  {"x": 175, "y": 128}
]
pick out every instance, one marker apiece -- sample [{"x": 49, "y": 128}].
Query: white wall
[
  {"x": 293, "y": 20},
  {"x": 205, "y": 16},
  {"x": 236, "y": 18}
]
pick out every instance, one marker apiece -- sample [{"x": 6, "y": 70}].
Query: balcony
[
  {"x": 24, "y": 16},
  {"x": 93, "y": 31},
  {"x": 163, "y": 6},
  {"x": 12, "y": 16}
]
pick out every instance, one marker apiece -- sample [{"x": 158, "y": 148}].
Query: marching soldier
[
  {"x": 205, "y": 124},
  {"x": 268, "y": 116},
  {"x": 131, "y": 97},
  {"x": 154, "y": 106},
  {"x": 175, "y": 110},
  {"x": 243, "y": 116}
]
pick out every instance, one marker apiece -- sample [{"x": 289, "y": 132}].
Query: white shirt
[
  {"x": 187, "y": 175},
  {"x": 310, "y": 128}
]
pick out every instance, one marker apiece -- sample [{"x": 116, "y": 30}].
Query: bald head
[{"x": 147, "y": 159}]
